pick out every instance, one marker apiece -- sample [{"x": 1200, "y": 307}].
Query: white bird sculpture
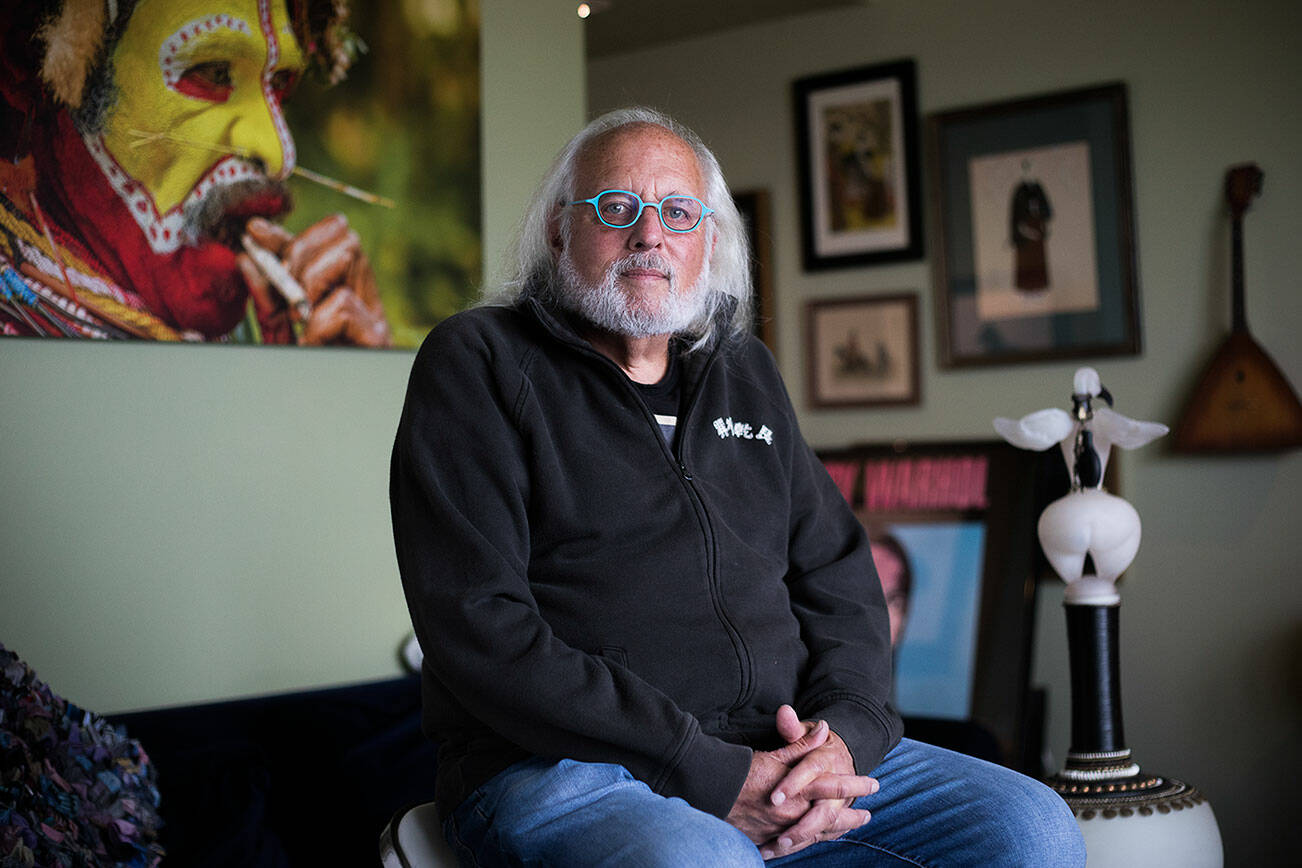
[
  {"x": 1087, "y": 520},
  {"x": 1104, "y": 427}
]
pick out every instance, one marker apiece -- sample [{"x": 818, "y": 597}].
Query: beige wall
[
  {"x": 1212, "y": 608},
  {"x": 187, "y": 523}
]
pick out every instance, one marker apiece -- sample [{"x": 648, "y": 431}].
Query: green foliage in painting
[{"x": 403, "y": 125}]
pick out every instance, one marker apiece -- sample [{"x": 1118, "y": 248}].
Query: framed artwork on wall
[
  {"x": 1032, "y": 201},
  {"x": 338, "y": 205},
  {"x": 757, "y": 213},
  {"x": 952, "y": 527},
  {"x": 863, "y": 351},
  {"x": 856, "y": 132}
]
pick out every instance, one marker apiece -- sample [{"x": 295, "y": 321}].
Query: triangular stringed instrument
[{"x": 1243, "y": 402}]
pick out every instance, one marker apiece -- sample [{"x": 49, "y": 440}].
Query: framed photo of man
[
  {"x": 856, "y": 131},
  {"x": 952, "y": 529}
]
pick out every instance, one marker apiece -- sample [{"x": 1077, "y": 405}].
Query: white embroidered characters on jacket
[{"x": 742, "y": 430}]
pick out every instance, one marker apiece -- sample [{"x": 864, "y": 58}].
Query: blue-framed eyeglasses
[{"x": 620, "y": 209}]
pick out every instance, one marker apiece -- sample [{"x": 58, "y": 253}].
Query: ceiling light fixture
[{"x": 593, "y": 7}]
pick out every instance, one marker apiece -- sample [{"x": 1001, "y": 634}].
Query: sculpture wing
[
  {"x": 1123, "y": 431},
  {"x": 1036, "y": 431}
]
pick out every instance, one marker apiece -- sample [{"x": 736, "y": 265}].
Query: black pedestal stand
[{"x": 1100, "y": 780}]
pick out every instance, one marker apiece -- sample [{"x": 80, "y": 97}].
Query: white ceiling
[{"x": 625, "y": 25}]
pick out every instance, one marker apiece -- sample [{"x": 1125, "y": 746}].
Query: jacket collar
[{"x": 559, "y": 324}]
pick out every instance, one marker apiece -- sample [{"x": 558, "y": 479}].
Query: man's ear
[{"x": 555, "y": 238}]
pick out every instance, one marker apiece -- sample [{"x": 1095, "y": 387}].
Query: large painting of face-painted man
[{"x": 253, "y": 171}]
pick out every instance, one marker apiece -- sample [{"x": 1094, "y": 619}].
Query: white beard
[{"x": 608, "y": 306}]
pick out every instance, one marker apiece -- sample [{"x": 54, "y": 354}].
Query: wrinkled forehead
[
  {"x": 640, "y": 150},
  {"x": 173, "y": 33}
]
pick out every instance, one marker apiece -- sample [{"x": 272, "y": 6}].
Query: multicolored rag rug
[{"x": 74, "y": 790}]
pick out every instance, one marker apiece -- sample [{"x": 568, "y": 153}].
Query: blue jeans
[{"x": 935, "y": 808}]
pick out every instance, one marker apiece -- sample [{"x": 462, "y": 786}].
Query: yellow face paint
[{"x": 200, "y": 84}]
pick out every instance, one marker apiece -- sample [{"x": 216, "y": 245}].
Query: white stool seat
[{"x": 414, "y": 839}]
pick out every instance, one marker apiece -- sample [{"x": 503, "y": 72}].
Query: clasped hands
[
  {"x": 801, "y": 793},
  {"x": 328, "y": 261}
]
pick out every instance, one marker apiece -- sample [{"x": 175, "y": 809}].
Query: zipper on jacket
[
  {"x": 744, "y": 669},
  {"x": 676, "y": 456}
]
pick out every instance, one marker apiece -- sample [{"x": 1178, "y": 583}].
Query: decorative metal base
[
  {"x": 1111, "y": 785},
  {"x": 1129, "y": 817}
]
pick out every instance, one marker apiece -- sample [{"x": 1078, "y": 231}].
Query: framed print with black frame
[
  {"x": 1032, "y": 202},
  {"x": 856, "y": 132},
  {"x": 952, "y": 527}
]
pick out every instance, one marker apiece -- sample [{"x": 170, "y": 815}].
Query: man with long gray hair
[{"x": 653, "y": 632}]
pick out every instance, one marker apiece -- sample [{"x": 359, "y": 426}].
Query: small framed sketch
[
  {"x": 863, "y": 352},
  {"x": 1036, "y": 231},
  {"x": 856, "y": 131}
]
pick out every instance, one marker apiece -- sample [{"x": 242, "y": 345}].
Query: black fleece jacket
[{"x": 582, "y": 590}]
